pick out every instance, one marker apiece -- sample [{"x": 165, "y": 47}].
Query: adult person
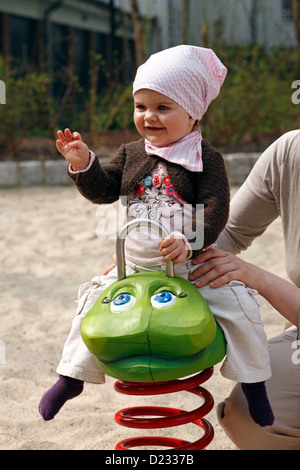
[{"x": 272, "y": 189}]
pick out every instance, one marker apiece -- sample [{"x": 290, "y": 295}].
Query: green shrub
[
  {"x": 28, "y": 109},
  {"x": 255, "y": 100}
]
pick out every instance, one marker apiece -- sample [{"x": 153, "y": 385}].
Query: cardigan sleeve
[
  {"x": 101, "y": 184},
  {"x": 212, "y": 206}
]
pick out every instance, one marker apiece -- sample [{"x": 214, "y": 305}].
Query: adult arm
[
  {"x": 220, "y": 267},
  {"x": 271, "y": 189},
  {"x": 254, "y": 206}
]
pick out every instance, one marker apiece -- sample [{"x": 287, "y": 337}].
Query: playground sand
[{"x": 49, "y": 247}]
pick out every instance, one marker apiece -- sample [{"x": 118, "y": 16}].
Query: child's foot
[
  {"x": 64, "y": 389},
  {"x": 258, "y": 402}
]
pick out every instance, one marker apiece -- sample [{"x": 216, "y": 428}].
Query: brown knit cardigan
[{"x": 122, "y": 174}]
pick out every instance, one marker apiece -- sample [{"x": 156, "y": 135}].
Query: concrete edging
[{"x": 54, "y": 172}]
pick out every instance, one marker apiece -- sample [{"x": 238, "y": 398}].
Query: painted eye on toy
[
  {"x": 122, "y": 303},
  {"x": 163, "y": 299}
]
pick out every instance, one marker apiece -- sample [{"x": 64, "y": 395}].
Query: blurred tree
[
  {"x": 4, "y": 31},
  {"x": 296, "y": 18},
  {"x": 186, "y": 20},
  {"x": 253, "y": 21},
  {"x": 138, "y": 32},
  {"x": 111, "y": 37}
]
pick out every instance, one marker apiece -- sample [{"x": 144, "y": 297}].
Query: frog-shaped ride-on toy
[{"x": 151, "y": 326}]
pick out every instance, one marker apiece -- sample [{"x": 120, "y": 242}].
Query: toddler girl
[{"x": 173, "y": 176}]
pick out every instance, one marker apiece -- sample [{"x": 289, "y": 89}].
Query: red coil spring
[{"x": 170, "y": 416}]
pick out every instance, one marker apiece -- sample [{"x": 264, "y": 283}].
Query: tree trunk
[
  {"x": 5, "y": 34},
  {"x": 186, "y": 20},
  {"x": 296, "y": 18},
  {"x": 253, "y": 21},
  {"x": 204, "y": 34},
  {"x": 138, "y": 33},
  {"x": 111, "y": 38}
]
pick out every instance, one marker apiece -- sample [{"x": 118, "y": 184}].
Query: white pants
[{"x": 234, "y": 306}]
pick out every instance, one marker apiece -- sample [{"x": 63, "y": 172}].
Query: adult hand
[
  {"x": 111, "y": 267},
  {"x": 75, "y": 151},
  {"x": 220, "y": 267}
]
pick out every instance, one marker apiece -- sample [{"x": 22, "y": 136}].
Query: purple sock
[
  {"x": 258, "y": 402},
  {"x": 64, "y": 389}
]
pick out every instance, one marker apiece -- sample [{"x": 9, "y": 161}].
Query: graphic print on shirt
[{"x": 156, "y": 199}]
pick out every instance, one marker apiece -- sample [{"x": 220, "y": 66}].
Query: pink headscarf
[{"x": 192, "y": 77}]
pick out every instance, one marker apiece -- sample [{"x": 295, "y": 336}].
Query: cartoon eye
[
  {"x": 163, "y": 299},
  {"x": 122, "y": 303}
]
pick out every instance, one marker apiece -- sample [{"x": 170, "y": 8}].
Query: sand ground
[{"x": 48, "y": 247}]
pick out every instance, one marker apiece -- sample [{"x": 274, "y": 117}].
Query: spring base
[{"x": 169, "y": 417}]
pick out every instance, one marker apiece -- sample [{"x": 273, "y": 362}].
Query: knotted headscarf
[{"x": 192, "y": 77}]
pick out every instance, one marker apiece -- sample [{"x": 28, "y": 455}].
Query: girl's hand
[
  {"x": 220, "y": 267},
  {"x": 75, "y": 151},
  {"x": 173, "y": 248}
]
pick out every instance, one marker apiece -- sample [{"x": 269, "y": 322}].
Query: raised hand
[{"x": 75, "y": 151}]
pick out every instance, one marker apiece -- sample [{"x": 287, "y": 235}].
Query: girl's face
[{"x": 159, "y": 119}]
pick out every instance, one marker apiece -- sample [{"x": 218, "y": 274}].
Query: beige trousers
[
  {"x": 283, "y": 390},
  {"x": 234, "y": 306}
]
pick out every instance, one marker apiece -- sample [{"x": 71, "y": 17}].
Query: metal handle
[{"x": 121, "y": 240}]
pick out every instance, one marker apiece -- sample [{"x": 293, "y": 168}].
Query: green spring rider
[{"x": 152, "y": 328}]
